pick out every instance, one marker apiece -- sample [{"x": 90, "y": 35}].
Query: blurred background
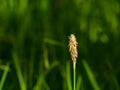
[{"x": 34, "y": 52}]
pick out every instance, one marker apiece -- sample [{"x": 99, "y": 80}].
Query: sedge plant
[{"x": 74, "y": 54}]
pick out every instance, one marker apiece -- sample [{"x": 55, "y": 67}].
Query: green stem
[
  {"x": 4, "y": 77},
  {"x": 74, "y": 75}
]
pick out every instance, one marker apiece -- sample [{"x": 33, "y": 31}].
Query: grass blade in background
[
  {"x": 41, "y": 78},
  {"x": 113, "y": 76},
  {"x": 4, "y": 76},
  {"x": 19, "y": 72},
  {"x": 46, "y": 85},
  {"x": 39, "y": 83},
  {"x": 90, "y": 76},
  {"x": 53, "y": 42},
  {"x": 79, "y": 82},
  {"x": 68, "y": 76}
]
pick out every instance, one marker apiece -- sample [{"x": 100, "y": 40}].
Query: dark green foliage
[{"x": 34, "y": 44}]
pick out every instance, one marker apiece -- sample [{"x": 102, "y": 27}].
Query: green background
[{"x": 34, "y": 52}]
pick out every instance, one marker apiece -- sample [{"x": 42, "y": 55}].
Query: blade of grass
[
  {"x": 4, "y": 76},
  {"x": 19, "y": 72},
  {"x": 39, "y": 83},
  {"x": 113, "y": 76},
  {"x": 31, "y": 68},
  {"x": 68, "y": 76},
  {"x": 42, "y": 76},
  {"x": 46, "y": 85},
  {"x": 53, "y": 42},
  {"x": 90, "y": 76},
  {"x": 79, "y": 82}
]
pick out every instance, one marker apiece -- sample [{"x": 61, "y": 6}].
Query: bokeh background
[{"x": 34, "y": 52}]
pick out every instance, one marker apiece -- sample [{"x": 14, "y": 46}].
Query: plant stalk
[{"x": 74, "y": 76}]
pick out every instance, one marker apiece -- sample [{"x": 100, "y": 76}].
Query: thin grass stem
[{"x": 74, "y": 76}]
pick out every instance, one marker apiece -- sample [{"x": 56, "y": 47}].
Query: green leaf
[{"x": 90, "y": 76}]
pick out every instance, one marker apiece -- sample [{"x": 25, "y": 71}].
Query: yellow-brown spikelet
[{"x": 73, "y": 48}]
